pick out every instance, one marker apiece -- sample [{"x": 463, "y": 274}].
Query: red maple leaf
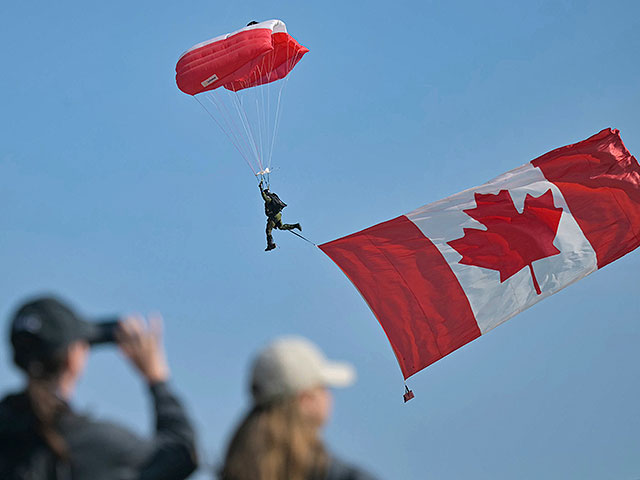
[{"x": 512, "y": 240}]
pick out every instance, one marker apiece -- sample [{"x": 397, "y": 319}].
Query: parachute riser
[{"x": 263, "y": 177}]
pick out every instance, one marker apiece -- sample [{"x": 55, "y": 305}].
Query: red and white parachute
[{"x": 245, "y": 63}]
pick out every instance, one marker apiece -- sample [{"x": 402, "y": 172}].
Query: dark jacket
[
  {"x": 272, "y": 203},
  {"x": 100, "y": 450},
  {"x": 338, "y": 470}
]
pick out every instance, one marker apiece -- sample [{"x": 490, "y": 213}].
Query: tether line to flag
[{"x": 303, "y": 238}]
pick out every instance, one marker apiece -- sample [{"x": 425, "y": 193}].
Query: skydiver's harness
[{"x": 274, "y": 206}]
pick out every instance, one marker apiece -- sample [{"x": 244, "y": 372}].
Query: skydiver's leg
[
  {"x": 289, "y": 226},
  {"x": 270, "y": 244},
  {"x": 286, "y": 226}
]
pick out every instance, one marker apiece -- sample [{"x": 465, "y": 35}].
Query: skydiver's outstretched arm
[{"x": 266, "y": 197}]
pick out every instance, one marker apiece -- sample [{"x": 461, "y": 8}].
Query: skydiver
[{"x": 272, "y": 209}]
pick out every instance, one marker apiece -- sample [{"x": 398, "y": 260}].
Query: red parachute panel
[{"x": 250, "y": 57}]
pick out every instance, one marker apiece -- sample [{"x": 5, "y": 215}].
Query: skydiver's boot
[
  {"x": 270, "y": 243},
  {"x": 298, "y": 226}
]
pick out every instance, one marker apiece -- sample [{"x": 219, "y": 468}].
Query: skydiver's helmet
[{"x": 253, "y": 22}]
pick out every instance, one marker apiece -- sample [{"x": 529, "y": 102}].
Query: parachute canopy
[
  {"x": 247, "y": 63},
  {"x": 252, "y": 56}
]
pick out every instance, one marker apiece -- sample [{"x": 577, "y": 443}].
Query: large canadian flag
[{"x": 448, "y": 272}]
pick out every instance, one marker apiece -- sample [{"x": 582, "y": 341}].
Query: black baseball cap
[{"x": 46, "y": 325}]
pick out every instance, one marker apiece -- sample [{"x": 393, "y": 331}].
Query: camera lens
[{"x": 105, "y": 332}]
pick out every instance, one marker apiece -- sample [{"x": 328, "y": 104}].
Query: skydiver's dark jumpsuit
[{"x": 272, "y": 208}]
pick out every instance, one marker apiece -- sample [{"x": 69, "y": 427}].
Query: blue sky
[{"x": 120, "y": 194}]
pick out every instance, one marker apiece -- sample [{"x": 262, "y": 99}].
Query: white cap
[{"x": 293, "y": 364}]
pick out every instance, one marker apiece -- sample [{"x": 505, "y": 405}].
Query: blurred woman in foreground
[
  {"x": 279, "y": 439},
  {"x": 43, "y": 437}
]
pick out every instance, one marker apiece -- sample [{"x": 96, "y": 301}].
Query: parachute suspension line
[
  {"x": 234, "y": 119},
  {"x": 233, "y": 100},
  {"x": 259, "y": 95},
  {"x": 254, "y": 103},
  {"x": 254, "y": 138},
  {"x": 238, "y": 103},
  {"x": 259, "y": 122},
  {"x": 227, "y": 134},
  {"x": 263, "y": 114},
  {"x": 230, "y": 121},
  {"x": 276, "y": 121},
  {"x": 291, "y": 61},
  {"x": 223, "y": 123},
  {"x": 264, "y": 117},
  {"x": 248, "y": 99},
  {"x": 268, "y": 118},
  {"x": 267, "y": 115}
]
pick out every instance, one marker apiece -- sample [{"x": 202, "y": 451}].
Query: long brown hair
[
  {"x": 42, "y": 400},
  {"x": 275, "y": 442}
]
